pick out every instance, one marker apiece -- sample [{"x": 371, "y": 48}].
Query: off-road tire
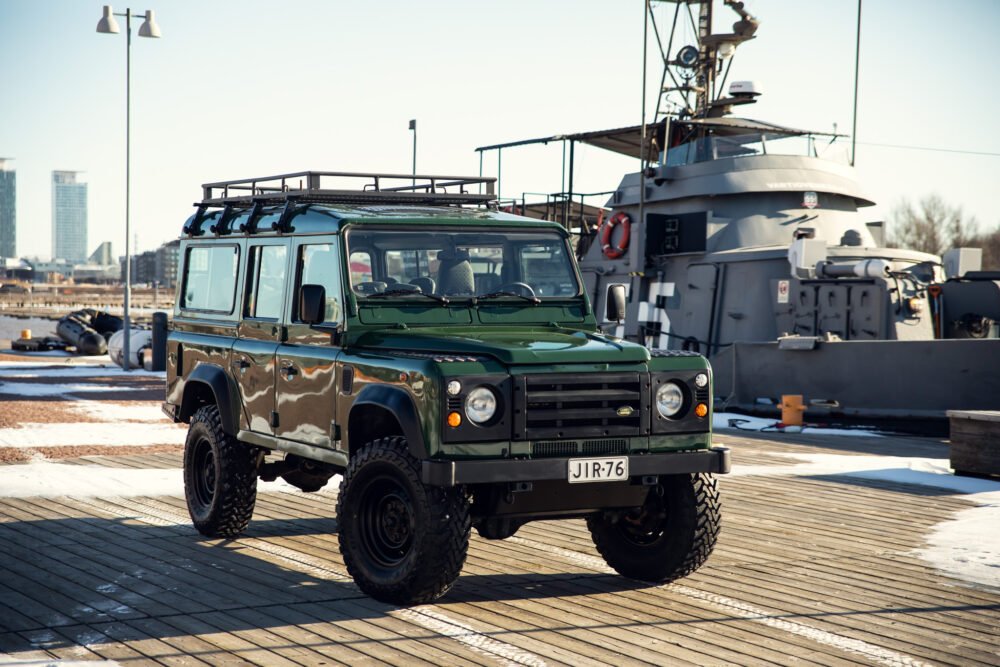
[
  {"x": 670, "y": 537},
  {"x": 220, "y": 477},
  {"x": 403, "y": 542}
]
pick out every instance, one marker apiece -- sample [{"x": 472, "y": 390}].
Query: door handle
[
  {"x": 289, "y": 371},
  {"x": 243, "y": 364}
]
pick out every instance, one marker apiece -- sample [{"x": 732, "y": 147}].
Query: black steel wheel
[
  {"x": 669, "y": 537},
  {"x": 220, "y": 477},
  {"x": 403, "y": 542}
]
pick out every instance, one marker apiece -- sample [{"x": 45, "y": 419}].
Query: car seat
[{"x": 455, "y": 276}]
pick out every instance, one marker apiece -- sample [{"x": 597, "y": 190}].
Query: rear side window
[
  {"x": 265, "y": 296},
  {"x": 210, "y": 278}
]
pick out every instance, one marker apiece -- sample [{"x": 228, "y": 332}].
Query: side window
[
  {"x": 266, "y": 281},
  {"x": 210, "y": 278},
  {"x": 320, "y": 266}
]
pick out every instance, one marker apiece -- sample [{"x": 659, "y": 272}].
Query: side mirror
[
  {"x": 616, "y": 303},
  {"x": 312, "y": 304}
]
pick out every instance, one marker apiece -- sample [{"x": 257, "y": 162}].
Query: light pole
[
  {"x": 109, "y": 25},
  {"x": 413, "y": 126}
]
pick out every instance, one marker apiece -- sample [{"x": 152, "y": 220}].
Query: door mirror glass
[
  {"x": 312, "y": 304},
  {"x": 616, "y": 303}
]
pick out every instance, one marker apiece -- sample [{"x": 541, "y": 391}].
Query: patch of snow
[
  {"x": 22, "y": 370},
  {"x": 720, "y": 421},
  {"x": 116, "y": 412},
  {"x": 62, "y": 358},
  {"x": 108, "y": 435},
  {"x": 966, "y": 547},
  {"x": 888, "y": 468},
  {"x": 46, "y": 479},
  {"x": 34, "y": 390}
]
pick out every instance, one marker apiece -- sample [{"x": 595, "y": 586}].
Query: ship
[{"x": 750, "y": 243}]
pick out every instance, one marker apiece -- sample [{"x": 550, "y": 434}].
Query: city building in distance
[
  {"x": 69, "y": 217},
  {"x": 8, "y": 208}
]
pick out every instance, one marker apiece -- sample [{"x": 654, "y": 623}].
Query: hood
[{"x": 512, "y": 346}]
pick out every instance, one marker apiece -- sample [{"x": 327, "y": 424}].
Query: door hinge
[{"x": 274, "y": 419}]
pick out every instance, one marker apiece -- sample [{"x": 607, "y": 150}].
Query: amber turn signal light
[
  {"x": 701, "y": 410},
  {"x": 454, "y": 420}
]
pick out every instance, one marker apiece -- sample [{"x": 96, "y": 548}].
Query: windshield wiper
[
  {"x": 405, "y": 292},
  {"x": 531, "y": 299}
]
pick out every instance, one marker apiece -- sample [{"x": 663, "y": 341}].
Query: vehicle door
[
  {"x": 307, "y": 360},
  {"x": 260, "y": 331}
]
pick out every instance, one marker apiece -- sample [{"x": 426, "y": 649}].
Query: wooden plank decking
[{"x": 808, "y": 570}]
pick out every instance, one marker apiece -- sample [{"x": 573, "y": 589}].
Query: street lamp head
[
  {"x": 108, "y": 23},
  {"x": 149, "y": 27}
]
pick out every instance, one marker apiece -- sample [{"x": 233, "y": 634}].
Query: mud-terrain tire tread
[
  {"x": 697, "y": 508},
  {"x": 441, "y": 543},
  {"x": 236, "y": 485}
]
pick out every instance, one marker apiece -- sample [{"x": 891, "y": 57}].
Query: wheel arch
[
  {"x": 206, "y": 384},
  {"x": 382, "y": 411}
]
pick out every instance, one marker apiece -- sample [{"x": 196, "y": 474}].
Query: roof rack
[{"x": 308, "y": 187}]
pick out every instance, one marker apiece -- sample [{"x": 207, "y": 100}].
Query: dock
[{"x": 816, "y": 564}]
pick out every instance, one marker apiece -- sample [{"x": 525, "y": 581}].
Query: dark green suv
[{"x": 442, "y": 357}]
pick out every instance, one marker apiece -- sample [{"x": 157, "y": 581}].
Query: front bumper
[{"x": 452, "y": 473}]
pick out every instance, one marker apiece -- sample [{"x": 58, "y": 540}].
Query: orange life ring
[{"x": 610, "y": 251}]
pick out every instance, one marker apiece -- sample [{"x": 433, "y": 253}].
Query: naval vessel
[{"x": 750, "y": 243}]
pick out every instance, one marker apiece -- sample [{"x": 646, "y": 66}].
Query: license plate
[{"x": 606, "y": 469}]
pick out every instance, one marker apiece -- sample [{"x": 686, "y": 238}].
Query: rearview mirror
[
  {"x": 616, "y": 303},
  {"x": 312, "y": 304}
]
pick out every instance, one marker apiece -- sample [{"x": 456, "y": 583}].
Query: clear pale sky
[{"x": 247, "y": 88}]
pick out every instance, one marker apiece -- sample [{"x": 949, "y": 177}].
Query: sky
[{"x": 237, "y": 89}]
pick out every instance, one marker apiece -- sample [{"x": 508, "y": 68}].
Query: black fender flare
[
  {"x": 218, "y": 383},
  {"x": 400, "y": 404}
]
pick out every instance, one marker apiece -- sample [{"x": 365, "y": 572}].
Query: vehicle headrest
[{"x": 453, "y": 255}]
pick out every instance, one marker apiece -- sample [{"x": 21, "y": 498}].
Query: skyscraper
[
  {"x": 8, "y": 208},
  {"x": 69, "y": 217}
]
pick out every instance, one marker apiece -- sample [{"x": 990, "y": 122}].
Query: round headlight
[
  {"x": 669, "y": 399},
  {"x": 454, "y": 387},
  {"x": 480, "y": 405},
  {"x": 701, "y": 380}
]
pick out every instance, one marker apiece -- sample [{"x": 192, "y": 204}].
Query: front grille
[
  {"x": 541, "y": 449},
  {"x": 701, "y": 395},
  {"x": 573, "y": 448},
  {"x": 603, "y": 447},
  {"x": 584, "y": 406}
]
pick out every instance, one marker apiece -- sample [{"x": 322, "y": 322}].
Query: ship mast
[{"x": 694, "y": 89}]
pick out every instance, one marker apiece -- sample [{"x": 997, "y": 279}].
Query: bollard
[
  {"x": 159, "y": 361},
  {"x": 792, "y": 409}
]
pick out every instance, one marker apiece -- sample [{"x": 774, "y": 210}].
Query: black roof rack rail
[{"x": 329, "y": 187}]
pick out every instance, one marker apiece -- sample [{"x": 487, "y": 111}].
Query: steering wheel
[{"x": 518, "y": 288}]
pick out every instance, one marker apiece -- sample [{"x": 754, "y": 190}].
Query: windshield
[
  {"x": 714, "y": 147},
  {"x": 458, "y": 264}
]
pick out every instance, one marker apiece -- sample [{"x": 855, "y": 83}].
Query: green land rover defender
[{"x": 443, "y": 358}]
